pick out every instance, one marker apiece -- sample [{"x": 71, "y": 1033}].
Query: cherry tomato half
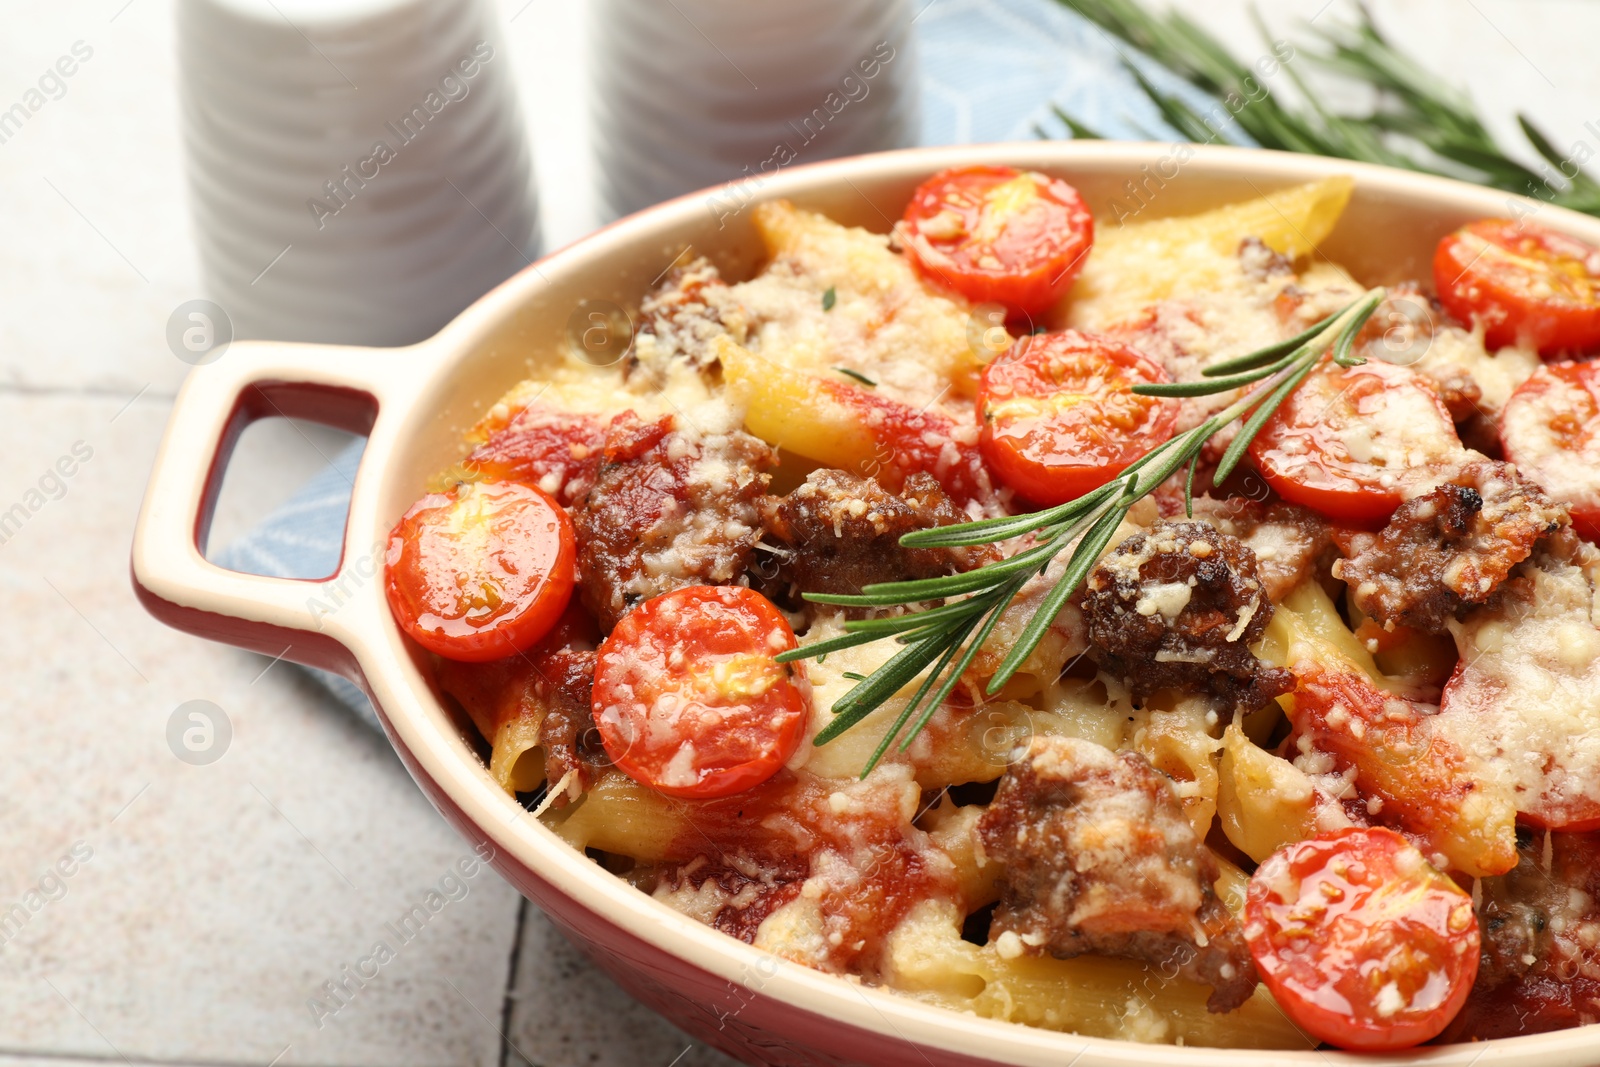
[
  {"x": 998, "y": 234},
  {"x": 1360, "y": 941},
  {"x": 689, "y": 697},
  {"x": 1528, "y": 285},
  {"x": 1550, "y": 428},
  {"x": 482, "y": 571},
  {"x": 1342, "y": 442},
  {"x": 1060, "y": 417}
]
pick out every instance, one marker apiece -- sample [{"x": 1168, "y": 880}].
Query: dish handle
[{"x": 335, "y": 385}]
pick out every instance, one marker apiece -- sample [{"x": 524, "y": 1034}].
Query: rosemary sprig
[
  {"x": 943, "y": 640},
  {"x": 1417, "y": 123}
]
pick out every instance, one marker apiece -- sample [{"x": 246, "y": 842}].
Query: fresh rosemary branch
[
  {"x": 946, "y": 638},
  {"x": 1416, "y": 123}
]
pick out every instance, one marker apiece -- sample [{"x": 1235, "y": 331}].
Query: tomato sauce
[{"x": 865, "y": 865}]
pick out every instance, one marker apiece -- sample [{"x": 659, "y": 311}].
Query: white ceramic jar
[
  {"x": 691, "y": 93},
  {"x": 358, "y": 169}
]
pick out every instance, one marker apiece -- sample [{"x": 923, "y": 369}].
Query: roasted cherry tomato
[
  {"x": 1360, "y": 941},
  {"x": 482, "y": 571},
  {"x": 689, "y": 696},
  {"x": 1341, "y": 443},
  {"x": 1550, "y": 428},
  {"x": 1526, "y": 284},
  {"x": 1060, "y": 416},
  {"x": 997, "y": 234}
]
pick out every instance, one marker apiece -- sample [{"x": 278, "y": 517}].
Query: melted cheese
[
  {"x": 1526, "y": 700},
  {"x": 1451, "y": 350},
  {"x": 830, "y": 680},
  {"x": 573, "y": 385},
  {"x": 1567, "y": 469},
  {"x": 1399, "y": 432},
  {"x": 884, "y": 322}
]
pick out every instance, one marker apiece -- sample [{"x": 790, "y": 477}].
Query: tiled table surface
[{"x": 208, "y": 904}]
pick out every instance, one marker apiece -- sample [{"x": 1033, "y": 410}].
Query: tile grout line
[
  {"x": 24, "y": 1054},
  {"x": 511, "y": 981},
  {"x": 97, "y": 392}
]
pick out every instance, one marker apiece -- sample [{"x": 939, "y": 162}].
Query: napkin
[{"x": 991, "y": 70}]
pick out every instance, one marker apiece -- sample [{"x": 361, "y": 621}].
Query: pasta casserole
[{"x": 1154, "y": 633}]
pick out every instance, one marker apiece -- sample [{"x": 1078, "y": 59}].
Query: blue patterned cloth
[{"x": 991, "y": 71}]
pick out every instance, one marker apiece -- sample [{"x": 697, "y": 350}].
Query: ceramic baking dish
[{"x": 416, "y": 401}]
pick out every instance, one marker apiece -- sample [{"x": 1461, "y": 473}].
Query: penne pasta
[
  {"x": 1143, "y": 262},
  {"x": 1108, "y": 998}
]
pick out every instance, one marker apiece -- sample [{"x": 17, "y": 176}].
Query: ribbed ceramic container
[
  {"x": 358, "y": 169},
  {"x": 694, "y": 92},
  {"x": 416, "y": 401}
]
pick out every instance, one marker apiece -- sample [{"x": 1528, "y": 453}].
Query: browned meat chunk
[
  {"x": 1178, "y": 606},
  {"x": 671, "y": 506},
  {"x": 1540, "y": 963},
  {"x": 839, "y": 531},
  {"x": 1288, "y": 541},
  {"x": 680, "y": 319},
  {"x": 1449, "y": 549},
  {"x": 1099, "y": 858}
]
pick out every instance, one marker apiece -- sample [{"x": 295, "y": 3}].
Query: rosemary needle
[
  {"x": 857, "y": 375},
  {"x": 944, "y": 640}
]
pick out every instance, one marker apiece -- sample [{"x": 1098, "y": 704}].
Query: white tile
[
  {"x": 8, "y": 1060},
  {"x": 98, "y": 241},
  {"x": 215, "y": 905},
  {"x": 566, "y": 1013}
]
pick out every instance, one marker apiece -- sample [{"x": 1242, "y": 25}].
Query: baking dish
[{"x": 416, "y": 401}]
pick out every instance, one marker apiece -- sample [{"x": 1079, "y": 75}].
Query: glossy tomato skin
[
  {"x": 996, "y": 234},
  {"x": 1060, "y": 418},
  {"x": 1360, "y": 941},
  {"x": 481, "y": 572},
  {"x": 689, "y": 697},
  {"x": 1343, "y": 441},
  {"x": 1527, "y": 284},
  {"x": 1550, "y": 429}
]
